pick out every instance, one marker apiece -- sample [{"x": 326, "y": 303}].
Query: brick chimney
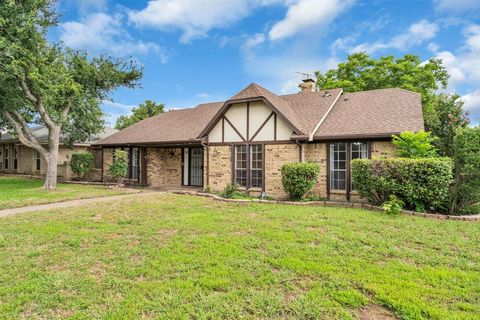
[{"x": 307, "y": 85}]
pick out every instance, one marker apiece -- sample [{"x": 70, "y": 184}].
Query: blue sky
[{"x": 196, "y": 51}]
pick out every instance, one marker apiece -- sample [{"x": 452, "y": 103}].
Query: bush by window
[
  {"x": 414, "y": 145},
  {"x": 81, "y": 164},
  {"x": 298, "y": 178},
  {"x": 420, "y": 183},
  {"x": 119, "y": 167}
]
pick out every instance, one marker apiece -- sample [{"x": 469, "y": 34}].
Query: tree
[
  {"x": 414, "y": 145},
  {"x": 43, "y": 83},
  {"x": 448, "y": 117},
  {"x": 361, "y": 72},
  {"x": 143, "y": 111}
]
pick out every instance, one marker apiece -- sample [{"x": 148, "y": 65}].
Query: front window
[
  {"x": 37, "y": 161},
  {"x": 135, "y": 163},
  {"x": 248, "y": 162},
  {"x": 15, "y": 158},
  {"x": 338, "y": 166},
  {"x": 5, "y": 158}
]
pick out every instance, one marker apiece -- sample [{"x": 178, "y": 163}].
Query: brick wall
[
  {"x": 164, "y": 167},
  {"x": 383, "y": 149},
  {"x": 220, "y": 171},
  {"x": 276, "y": 155},
  {"x": 317, "y": 152},
  {"x": 107, "y": 161}
]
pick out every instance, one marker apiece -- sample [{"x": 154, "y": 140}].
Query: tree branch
[
  {"x": 67, "y": 108},
  {"x": 22, "y": 137},
  {"x": 24, "y": 126},
  {"x": 36, "y": 100}
]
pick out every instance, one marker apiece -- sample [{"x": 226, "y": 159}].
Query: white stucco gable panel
[{"x": 254, "y": 121}]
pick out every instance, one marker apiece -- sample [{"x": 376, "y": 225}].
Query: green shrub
[
  {"x": 419, "y": 183},
  {"x": 414, "y": 145},
  {"x": 465, "y": 192},
  {"x": 393, "y": 206},
  {"x": 229, "y": 191},
  {"x": 298, "y": 178},
  {"x": 119, "y": 167},
  {"x": 81, "y": 164}
]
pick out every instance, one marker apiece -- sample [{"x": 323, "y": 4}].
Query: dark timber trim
[
  {"x": 233, "y": 127},
  {"x": 263, "y": 125},
  {"x": 248, "y": 121}
]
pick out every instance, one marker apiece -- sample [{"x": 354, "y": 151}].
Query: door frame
[{"x": 189, "y": 168}]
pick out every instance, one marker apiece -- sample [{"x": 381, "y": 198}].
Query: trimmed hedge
[
  {"x": 420, "y": 183},
  {"x": 81, "y": 163},
  {"x": 298, "y": 178},
  {"x": 465, "y": 193}
]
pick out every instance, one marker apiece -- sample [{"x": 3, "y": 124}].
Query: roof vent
[
  {"x": 327, "y": 93},
  {"x": 346, "y": 98}
]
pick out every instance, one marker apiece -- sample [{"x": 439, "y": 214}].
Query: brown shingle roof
[
  {"x": 172, "y": 126},
  {"x": 373, "y": 113}
]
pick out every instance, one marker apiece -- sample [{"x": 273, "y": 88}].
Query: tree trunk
[{"x": 51, "y": 159}]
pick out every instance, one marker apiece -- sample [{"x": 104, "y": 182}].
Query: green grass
[
  {"x": 20, "y": 192},
  {"x": 182, "y": 257}
]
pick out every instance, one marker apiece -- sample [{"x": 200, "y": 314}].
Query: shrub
[
  {"x": 81, "y": 164},
  {"x": 414, "y": 145},
  {"x": 465, "y": 192},
  {"x": 419, "y": 183},
  {"x": 229, "y": 191},
  {"x": 298, "y": 178},
  {"x": 118, "y": 168},
  {"x": 393, "y": 206}
]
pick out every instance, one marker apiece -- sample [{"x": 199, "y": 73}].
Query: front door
[{"x": 196, "y": 167}]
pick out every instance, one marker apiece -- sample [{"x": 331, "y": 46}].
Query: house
[
  {"x": 246, "y": 139},
  {"x": 19, "y": 159}
]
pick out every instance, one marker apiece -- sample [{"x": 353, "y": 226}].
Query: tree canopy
[
  {"x": 47, "y": 84},
  {"x": 143, "y": 111}
]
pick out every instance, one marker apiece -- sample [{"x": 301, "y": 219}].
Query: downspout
[{"x": 300, "y": 146}]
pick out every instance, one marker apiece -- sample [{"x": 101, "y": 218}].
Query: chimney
[{"x": 307, "y": 85}]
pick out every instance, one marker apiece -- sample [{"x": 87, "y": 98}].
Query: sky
[{"x": 197, "y": 51}]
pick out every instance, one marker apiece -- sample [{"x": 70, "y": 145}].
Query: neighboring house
[
  {"x": 246, "y": 139},
  {"x": 17, "y": 158}
]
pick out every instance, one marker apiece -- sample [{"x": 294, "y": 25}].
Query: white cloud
[
  {"x": 433, "y": 47},
  {"x": 456, "y": 6},
  {"x": 100, "y": 32},
  {"x": 416, "y": 34},
  {"x": 113, "y": 110},
  {"x": 472, "y": 103},
  {"x": 193, "y": 18},
  {"x": 307, "y": 16},
  {"x": 203, "y": 95}
]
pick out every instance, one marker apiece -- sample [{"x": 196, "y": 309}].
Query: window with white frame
[
  {"x": 338, "y": 166},
  {"x": 256, "y": 166},
  {"x": 240, "y": 163}
]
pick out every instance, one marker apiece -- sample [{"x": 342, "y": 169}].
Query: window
[
  {"x": 37, "y": 161},
  {"x": 241, "y": 166},
  {"x": 338, "y": 166},
  {"x": 248, "y": 162},
  {"x": 358, "y": 150},
  {"x": 135, "y": 163},
  {"x": 5, "y": 158},
  {"x": 15, "y": 158},
  {"x": 256, "y": 165},
  {"x": 338, "y": 162}
]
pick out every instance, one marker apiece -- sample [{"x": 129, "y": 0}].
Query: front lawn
[
  {"x": 182, "y": 257},
  {"x": 20, "y": 192}
]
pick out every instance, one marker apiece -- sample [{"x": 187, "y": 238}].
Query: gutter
[{"x": 310, "y": 138}]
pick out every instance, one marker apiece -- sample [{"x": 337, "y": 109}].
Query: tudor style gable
[{"x": 252, "y": 115}]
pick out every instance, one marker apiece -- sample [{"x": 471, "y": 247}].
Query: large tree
[
  {"x": 361, "y": 72},
  {"x": 143, "y": 111},
  {"x": 43, "y": 83}
]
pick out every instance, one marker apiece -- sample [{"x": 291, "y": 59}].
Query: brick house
[
  {"x": 19, "y": 159},
  {"x": 246, "y": 139}
]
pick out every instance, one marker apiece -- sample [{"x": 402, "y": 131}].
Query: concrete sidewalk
[{"x": 73, "y": 203}]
